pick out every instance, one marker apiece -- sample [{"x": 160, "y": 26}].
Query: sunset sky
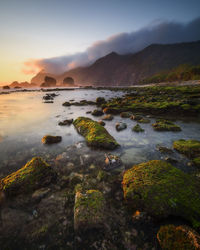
[{"x": 34, "y": 29}]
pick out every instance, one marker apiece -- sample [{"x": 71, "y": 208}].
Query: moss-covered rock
[
  {"x": 89, "y": 210},
  {"x": 35, "y": 174},
  {"x": 144, "y": 120},
  {"x": 164, "y": 125},
  {"x": 95, "y": 134},
  {"x": 50, "y": 139},
  {"x": 137, "y": 128},
  {"x": 126, "y": 114},
  {"x": 196, "y": 162},
  {"x": 178, "y": 237},
  {"x": 191, "y": 148},
  {"x": 100, "y": 100},
  {"x": 158, "y": 188}
]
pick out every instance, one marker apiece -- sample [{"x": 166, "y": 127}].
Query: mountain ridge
[{"x": 129, "y": 69}]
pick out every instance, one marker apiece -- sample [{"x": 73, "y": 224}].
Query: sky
[{"x": 34, "y": 30}]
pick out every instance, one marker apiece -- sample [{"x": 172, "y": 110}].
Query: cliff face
[{"x": 115, "y": 69}]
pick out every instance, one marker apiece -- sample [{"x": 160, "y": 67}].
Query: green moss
[
  {"x": 89, "y": 209},
  {"x": 162, "y": 190},
  {"x": 137, "y": 128},
  {"x": 164, "y": 125},
  {"x": 191, "y": 148},
  {"x": 178, "y": 237},
  {"x": 95, "y": 134},
  {"x": 196, "y": 161},
  {"x": 49, "y": 139},
  {"x": 36, "y": 173}
]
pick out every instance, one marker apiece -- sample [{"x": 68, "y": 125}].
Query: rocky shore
[{"x": 88, "y": 198}]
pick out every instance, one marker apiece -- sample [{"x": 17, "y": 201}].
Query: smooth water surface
[{"x": 25, "y": 119}]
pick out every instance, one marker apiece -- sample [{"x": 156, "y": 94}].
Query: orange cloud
[{"x": 31, "y": 67}]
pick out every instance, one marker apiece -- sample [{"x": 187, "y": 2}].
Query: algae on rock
[
  {"x": 158, "y": 188},
  {"x": 35, "y": 174},
  {"x": 95, "y": 134},
  {"x": 178, "y": 237},
  {"x": 191, "y": 148},
  {"x": 89, "y": 210}
]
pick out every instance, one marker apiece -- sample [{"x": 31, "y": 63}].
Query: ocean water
[{"x": 25, "y": 119}]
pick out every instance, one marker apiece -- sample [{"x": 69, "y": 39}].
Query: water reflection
[{"x": 25, "y": 119}]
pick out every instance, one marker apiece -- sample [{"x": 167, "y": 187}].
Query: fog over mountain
[{"x": 159, "y": 32}]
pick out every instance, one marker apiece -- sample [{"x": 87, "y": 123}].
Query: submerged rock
[
  {"x": 126, "y": 114},
  {"x": 164, "y": 125},
  {"x": 108, "y": 117},
  {"x": 100, "y": 100},
  {"x": 35, "y": 174},
  {"x": 158, "y": 188},
  {"x": 120, "y": 126},
  {"x": 191, "y": 148},
  {"x": 89, "y": 210},
  {"x": 178, "y": 237},
  {"x": 95, "y": 134},
  {"x": 97, "y": 112},
  {"x": 137, "y": 128},
  {"x": 66, "y": 104},
  {"x": 102, "y": 123},
  {"x": 65, "y": 122},
  {"x": 112, "y": 161},
  {"x": 163, "y": 149},
  {"x": 50, "y": 139}
]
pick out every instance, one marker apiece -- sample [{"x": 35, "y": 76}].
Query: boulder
[
  {"x": 97, "y": 112},
  {"x": 158, "y": 188},
  {"x": 95, "y": 134},
  {"x": 35, "y": 174},
  {"x": 89, "y": 210},
  {"x": 164, "y": 125},
  {"x": 65, "y": 122},
  {"x": 126, "y": 114},
  {"x": 191, "y": 148},
  {"x": 108, "y": 117},
  {"x": 120, "y": 126},
  {"x": 50, "y": 139},
  {"x": 6, "y": 87},
  {"x": 137, "y": 128},
  {"x": 178, "y": 237}
]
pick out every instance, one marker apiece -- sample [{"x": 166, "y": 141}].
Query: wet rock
[
  {"x": 40, "y": 193},
  {"x": 102, "y": 123},
  {"x": 136, "y": 117},
  {"x": 88, "y": 112},
  {"x": 120, "y": 126},
  {"x": 178, "y": 237},
  {"x": 108, "y": 117},
  {"x": 89, "y": 210},
  {"x": 97, "y": 112},
  {"x": 65, "y": 122},
  {"x": 49, "y": 139},
  {"x": 100, "y": 100},
  {"x": 150, "y": 186},
  {"x": 35, "y": 174},
  {"x": 196, "y": 161},
  {"x": 163, "y": 149},
  {"x": 126, "y": 114},
  {"x": 112, "y": 161},
  {"x": 144, "y": 120},
  {"x": 190, "y": 148},
  {"x": 48, "y": 102},
  {"x": 66, "y": 104},
  {"x": 137, "y": 128},
  {"x": 95, "y": 134},
  {"x": 171, "y": 160},
  {"x": 164, "y": 125}
]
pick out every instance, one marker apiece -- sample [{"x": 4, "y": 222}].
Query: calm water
[{"x": 25, "y": 119}]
